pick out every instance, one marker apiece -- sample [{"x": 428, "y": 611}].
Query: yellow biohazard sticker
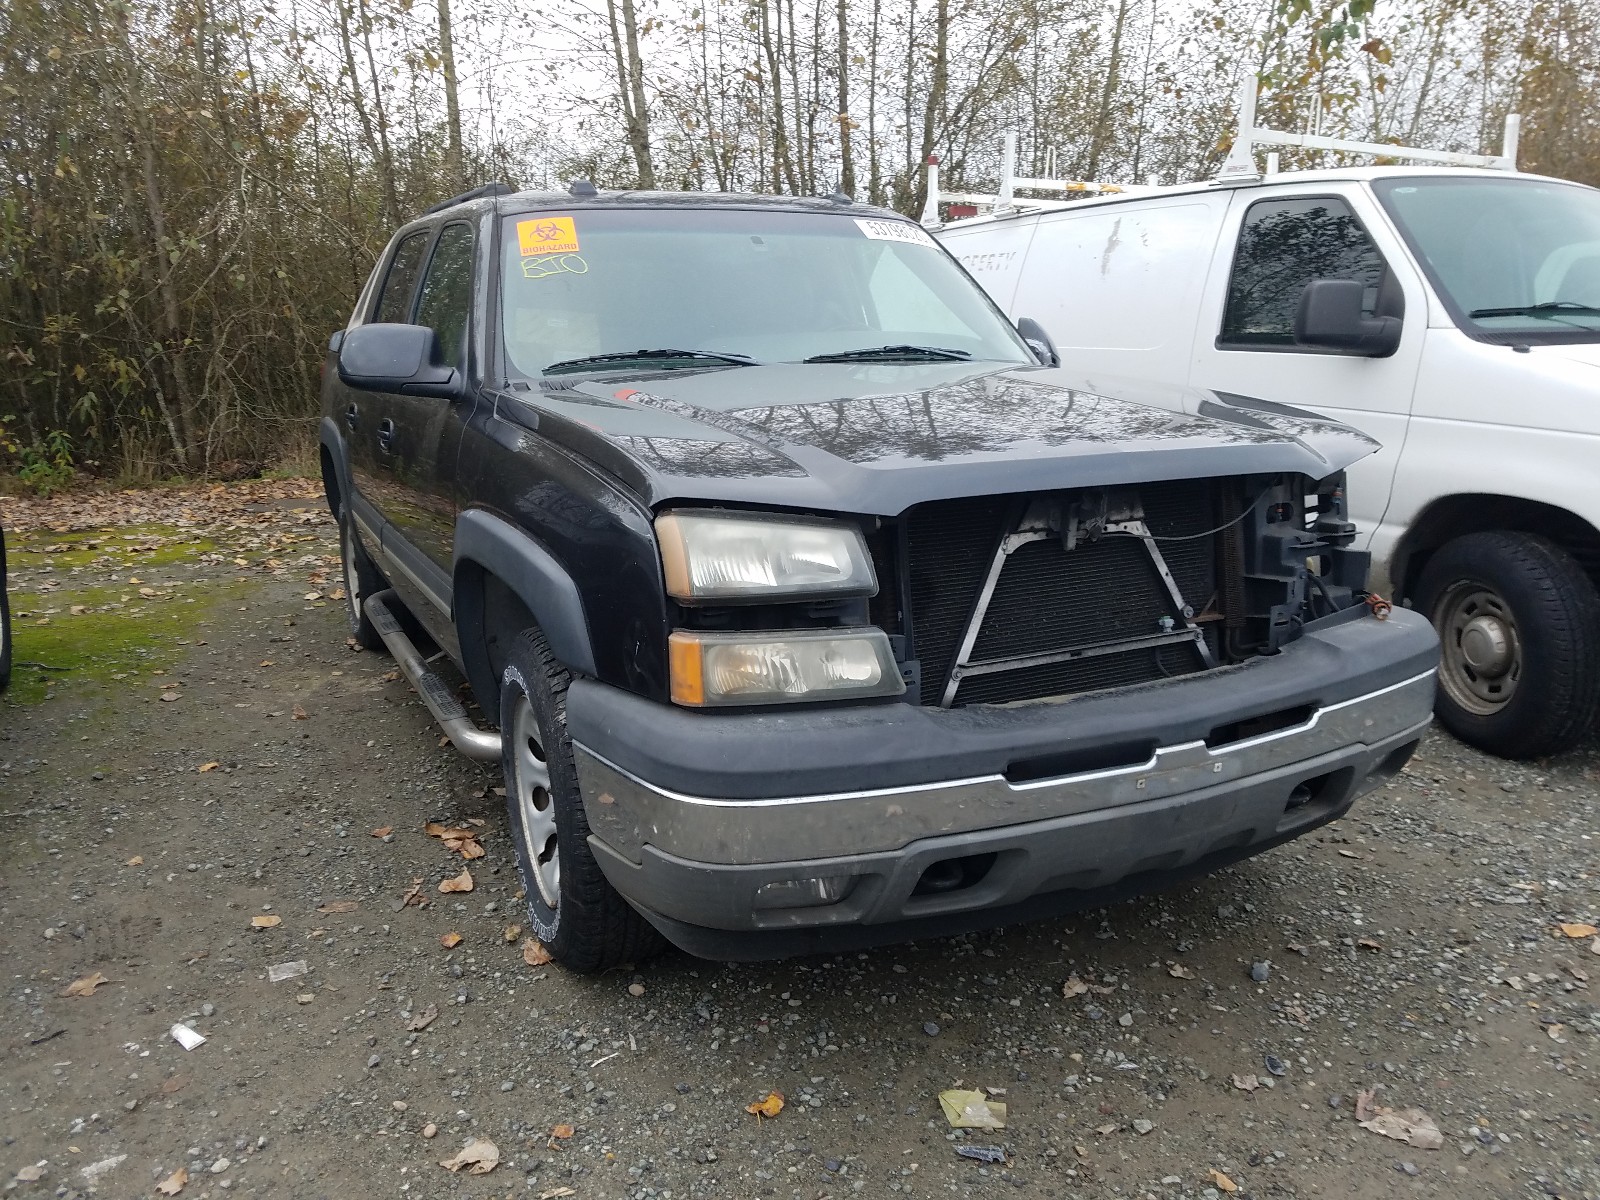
[{"x": 547, "y": 235}]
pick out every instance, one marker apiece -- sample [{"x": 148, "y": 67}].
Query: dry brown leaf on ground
[
  {"x": 173, "y": 1184},
  {"x": 340, "y": 906},
  {"x": 470, "y": 849},
  {"x": 534, "y": 953},
  {"x": 562, "y": 1131},
  {"x": 1179, "y": 971},
  {"x": 136, "y": 861},
  {"x": 210, "y": 766},
  {"x": 1364, "y": 1106},
  {"x": 271, "y": 921},
  {"x": 451, "y": 940},
  {"x": 967, "y": 1109},
  {"x": 414, "y": 896},
  {"x": 512, "y": 932},
  {"x": 555, "y": 1193},
  {"x": 1577, "y": 929},
  {"x": 1246, "y": 1083},
  {"x": 1222, "y": 1182},
  {"x": 86, "y": 985},
  {"x": 1073, "y": 987},
  {"x": 298, "y": 713},
  {"x": 168, "y": 696},
  {"x": 768, "y": 1106},
  {"x": 423, "y": 1019},
  {"x": 176, "y": 1084},
  {"x": 1409, "y": 1125},
  {"x": 460, "y": 883},
  {"x": 383, "y": 831},
  {"x": 479, "y": 1156}
]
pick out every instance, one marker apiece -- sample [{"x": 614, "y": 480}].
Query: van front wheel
[{"x": 1519, "y": 626}]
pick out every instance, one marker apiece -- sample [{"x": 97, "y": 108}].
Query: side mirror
[
  {"x": 1330, "y": 318},
  {"x": 1039, "y": 342},
  {"x": 395, "y": 358}
]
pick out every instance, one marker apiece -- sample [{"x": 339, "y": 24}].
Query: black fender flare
[
  {"x": 535, "y": 577},
  {"x": 328, "y": 433}
]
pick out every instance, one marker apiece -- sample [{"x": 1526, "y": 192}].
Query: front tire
[
  {"x": 362, "y": 579},
  {"x": 572, "y": 908},
  {"x": 1519, "y": 623}
]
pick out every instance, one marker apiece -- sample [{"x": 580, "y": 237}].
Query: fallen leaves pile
[
  {"x": 768, "y": 1106},
  {"x": 185, "y": 505},
  {"x": 465, "y": 842}
]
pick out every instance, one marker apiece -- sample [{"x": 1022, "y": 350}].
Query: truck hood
[{"x": 879, "y": 438}]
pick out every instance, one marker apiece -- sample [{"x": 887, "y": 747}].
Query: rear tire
[
  {"x": 362, "y": 579},
  {"x": 1519, "y": 620},
  {"x": 572, "y": 908}
]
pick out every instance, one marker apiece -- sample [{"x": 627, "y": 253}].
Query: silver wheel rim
[
  {"x": 535, "y": 808},
  {"x": 1482, "y": 660},
  {"x": 352, "y": 589}
]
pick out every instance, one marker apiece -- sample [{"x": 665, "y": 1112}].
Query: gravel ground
[{"x": 1412, "y": 950}]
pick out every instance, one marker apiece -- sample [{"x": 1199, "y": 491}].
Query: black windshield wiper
[
  {"x": 1546, "y": 308},
  {"x": 890, "y": 354},
  {"x": 638, "y": 356}
]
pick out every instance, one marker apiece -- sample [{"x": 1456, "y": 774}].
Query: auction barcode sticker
[{"x": 894, "y": 231}]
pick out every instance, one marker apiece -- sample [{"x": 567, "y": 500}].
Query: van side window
[
  {"x": 1284, "y": 245},
  {"x": 394, "y": 302}
]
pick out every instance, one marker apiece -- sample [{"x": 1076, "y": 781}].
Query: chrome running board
[{"x": 464, "y": 734}]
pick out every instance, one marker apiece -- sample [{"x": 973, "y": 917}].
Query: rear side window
[
  {"x": 447, "y": 292},
  {"x": 1284, "y": 245},
  {"x": 394, "y": 302}
]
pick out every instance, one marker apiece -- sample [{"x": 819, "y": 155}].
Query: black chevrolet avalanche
[{"x": 806, "y": 605}]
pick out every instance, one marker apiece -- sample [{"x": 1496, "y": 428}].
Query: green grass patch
[
  {"x": 130, "y": 548},
  {"x": 115, "y": 636}
]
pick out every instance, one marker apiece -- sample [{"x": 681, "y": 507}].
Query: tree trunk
[
  {"x": 630, "y": 84},
  {"x": 455, "y": 163},
  {"x": 847, "y": 162},
  {"x": 1100, "y": 137}
]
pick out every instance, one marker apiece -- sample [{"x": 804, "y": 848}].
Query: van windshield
[
  {"x": 590, "y": 290},
  {"x": 1515, "y": 260}
]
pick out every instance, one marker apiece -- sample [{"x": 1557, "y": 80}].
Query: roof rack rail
[
  {"x": 1241, "y": 158},
  {"x": 1005, "y": 200},
  {"x": 477, "y": 193}
]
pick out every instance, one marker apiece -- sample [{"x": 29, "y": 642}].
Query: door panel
[
  {"x": 418, "y": 455},
  {"x": 360, "y": 413},
  {"x": 1275, "y": 241}
]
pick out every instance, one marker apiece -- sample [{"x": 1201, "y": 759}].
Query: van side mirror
[
  {"x": 1039, "y": 342},
  {"x": 386, "y": 357},
  {"x": 1330, "y": 318}
]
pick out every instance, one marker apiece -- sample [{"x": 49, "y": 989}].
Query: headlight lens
[
  {"x": 710, "y": 669},
  {"x": 716, "y": 556}
]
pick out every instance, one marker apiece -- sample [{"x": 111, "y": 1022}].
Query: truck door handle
[
  {"x": 386, "y": 435},
  {"x": 350, "y": 415}
]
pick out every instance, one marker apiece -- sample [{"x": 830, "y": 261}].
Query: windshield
[
  {"x": 711, "y": 286},
  {"x": 1516, "y": 260}
]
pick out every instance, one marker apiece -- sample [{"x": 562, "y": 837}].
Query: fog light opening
[
  {"x": 804, "y": 893},
  {"x": 953, "y": 874}
]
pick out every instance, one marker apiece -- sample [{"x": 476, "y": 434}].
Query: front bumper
[{"x": 1059, "y": 805}]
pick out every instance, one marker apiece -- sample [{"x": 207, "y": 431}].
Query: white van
[{"x": 1451, "y": 313}]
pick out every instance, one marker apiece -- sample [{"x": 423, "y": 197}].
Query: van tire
[
  {"x": 362, "y": 580},
  {"x": 1519, "y": 619},
  {"x": 590, "y": 927}
]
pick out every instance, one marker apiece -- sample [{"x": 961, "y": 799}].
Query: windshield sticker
[
  {"x": 542, "y": 266},
  {"x": 894, "y": 231},
  {"x": 547, "y": 235}
]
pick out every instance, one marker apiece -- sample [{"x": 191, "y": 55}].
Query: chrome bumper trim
[{"x": 627, "y": 812}]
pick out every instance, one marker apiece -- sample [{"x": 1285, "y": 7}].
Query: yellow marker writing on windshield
[{"x": 547, "y": 235}]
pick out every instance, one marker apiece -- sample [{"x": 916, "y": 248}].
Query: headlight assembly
[
  {"x": 780, "y": 667},
  {"x": 713, "y": 557}
]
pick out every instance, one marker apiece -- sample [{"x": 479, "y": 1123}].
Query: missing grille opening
[
  {"x": 1241, "y": 731},
  {"x": 1077, "y": 762}
]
